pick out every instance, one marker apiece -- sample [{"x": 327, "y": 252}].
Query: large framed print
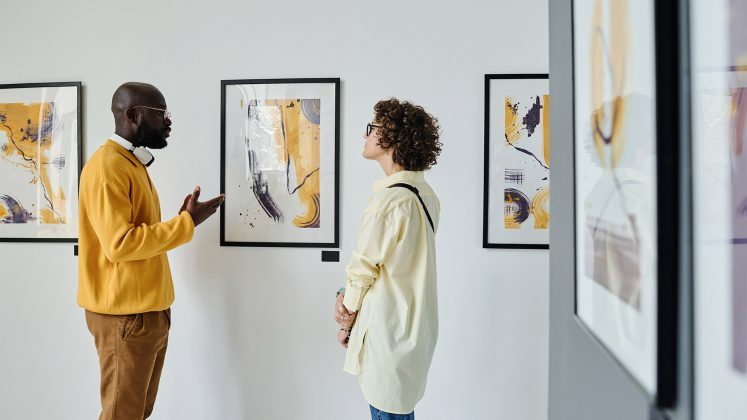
[
  {"x": 279, "y": 162},
  {"x": 40, "y": 161},
  {"x": 516, "y": 196},
  {"x": 719, "y": 150},
  {"x": 625, "y": 190}
]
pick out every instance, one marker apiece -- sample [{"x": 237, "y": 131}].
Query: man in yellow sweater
[{"x": 124, "y": 280}]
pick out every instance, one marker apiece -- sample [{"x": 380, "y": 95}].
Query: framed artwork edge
[
  {"x": 514, "y": 246},
  {"x": 486, "y": 158},
  {"x": 321, "y": 245},
  {"x": 667, "y": 270},
  {"x": 38, "y": 240},
  {"x": 78, "y": 85},
  {"x": 336, "y": 81}
]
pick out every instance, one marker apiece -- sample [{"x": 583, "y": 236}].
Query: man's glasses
[
  {"x": 370, "y": 127},
  {"x": 166, "y": 112}
]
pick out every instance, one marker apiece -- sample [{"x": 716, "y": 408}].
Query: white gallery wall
[{"x": 252, "y": 335}]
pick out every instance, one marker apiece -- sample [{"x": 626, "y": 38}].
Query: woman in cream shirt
[{"x": 388, "y": 311}]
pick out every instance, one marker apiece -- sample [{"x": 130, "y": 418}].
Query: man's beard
[{"x": 149, "y": 137}]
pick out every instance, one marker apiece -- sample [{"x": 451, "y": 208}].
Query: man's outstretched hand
[{"x": 200, "y": 211}]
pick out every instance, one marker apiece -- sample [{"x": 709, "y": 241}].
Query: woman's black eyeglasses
[{"x": 370, "y": 127}]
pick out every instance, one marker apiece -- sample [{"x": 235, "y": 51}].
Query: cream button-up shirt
[{"x": 392, "y": 285}]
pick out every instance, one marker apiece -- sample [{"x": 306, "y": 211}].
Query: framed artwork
[
  {"x": 516, "y": 197},
  {"x": 40, "y": 161},
  {"x": 719, "y": 182},
  {"x": 279, "y": 162},
  {"x": 625, "y": 191}
]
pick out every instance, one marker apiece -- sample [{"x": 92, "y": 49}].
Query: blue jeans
[{"x": 377, "y": 414}]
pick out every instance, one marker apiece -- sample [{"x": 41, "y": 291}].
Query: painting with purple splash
[
  {"x": 39, "y": 161},
  {"x": 279, "y": 166},
  {"x": 517, "y": 162}
]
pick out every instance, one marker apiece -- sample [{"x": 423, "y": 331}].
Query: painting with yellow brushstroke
[
  {"x": 39, "y": 142},
  {"x": 619, "y": 205},
  {"x": 615, "y": 178},
  {"x": 286, "y": 152},
  {"x": 518, "y": 173},
  {"x": 284, "y": 146}
]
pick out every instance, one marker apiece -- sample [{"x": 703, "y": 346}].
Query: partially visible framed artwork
[
  {"x": 516, "y": 196},
  {"x": 40, "y": 161},
  {"x": 625, "y": 190},
  {"x": 279, "y": 162},
  {"x": 719, "y": 181}
]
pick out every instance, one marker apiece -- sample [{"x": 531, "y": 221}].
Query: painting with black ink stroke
[
  {"x": 517, "y": 202},
  {"x": 39, "y": 161},
  {"x": 279, "y": 166}
]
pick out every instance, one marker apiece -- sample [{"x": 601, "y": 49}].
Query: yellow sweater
[{"x": 123, "y": 268}]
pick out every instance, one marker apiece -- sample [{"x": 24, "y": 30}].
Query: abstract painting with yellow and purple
[
  {"x": 282, "y": 149},
  {"x": 283, "y": 143},
  {"x": 615, "y": 179},
  {"x": 39, "y": 143},
  {"x": 518, "y": 170}
]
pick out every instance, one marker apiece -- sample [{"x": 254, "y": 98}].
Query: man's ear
[{"x": 132, "y": 116}]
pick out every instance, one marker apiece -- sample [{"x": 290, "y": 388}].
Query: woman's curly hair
[{"x": 411, "y": 132}]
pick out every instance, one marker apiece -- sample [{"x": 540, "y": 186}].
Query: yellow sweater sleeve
[{"x": 110, "y": 214}]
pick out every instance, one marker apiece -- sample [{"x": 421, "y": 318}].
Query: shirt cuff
[
  {"x": 353, "y": 298},
  {"x": 188, "y": 216}
]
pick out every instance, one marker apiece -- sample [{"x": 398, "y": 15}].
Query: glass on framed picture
[
  {"x": 40, "y": 161},
  {"x": 280, "y": 162},
  {"x": 516, "y": 201}
]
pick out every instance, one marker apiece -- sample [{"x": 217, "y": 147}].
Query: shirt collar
[
  {"x": 127, "y": 146},
  {"x": 122, "y": 141},
  {"x": 402, "y": 176}
]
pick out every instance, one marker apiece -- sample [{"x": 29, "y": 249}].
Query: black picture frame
[
  {"x": 486, "y": 243},
  {"x": 78, "y": 85},
  {"x": 667, "y": 79},
  {"x": 336, "y": 235}
]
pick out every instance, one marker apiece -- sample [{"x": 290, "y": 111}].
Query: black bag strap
[{"x": 415, "y": 190}]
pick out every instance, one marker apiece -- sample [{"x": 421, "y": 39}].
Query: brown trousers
[{"x": 131, "y": 351}]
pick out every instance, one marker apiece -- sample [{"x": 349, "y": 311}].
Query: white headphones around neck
[{"x": 143, "y": 155}]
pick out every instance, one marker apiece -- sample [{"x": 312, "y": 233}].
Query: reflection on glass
[
  {"x": 738, "y": 61},
  {"x": 719, "y": 85},
  {"x": 615, "y": 141},
  {"x": 620, "y": 210}
]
